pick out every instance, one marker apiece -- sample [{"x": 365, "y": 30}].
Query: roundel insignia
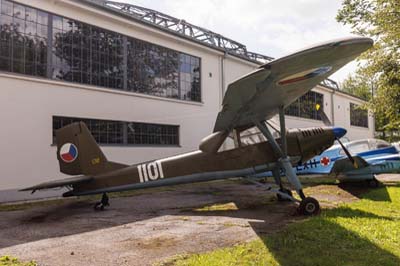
[
  {"x": 325, "y": 161},
  {"x": 68, "y": 152},
  {"x": 308, "y": 74}
]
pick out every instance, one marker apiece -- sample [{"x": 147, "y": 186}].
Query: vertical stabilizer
[{"x": 78, "y": 153}]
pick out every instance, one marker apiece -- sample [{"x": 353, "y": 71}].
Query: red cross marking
[{"x": 325, "y": 161}]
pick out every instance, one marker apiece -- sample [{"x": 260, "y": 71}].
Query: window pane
[
  {"x": 42, "y": 17},
  {"x": 358, "y": 116},
  {"x": 31, "y": 14},
  {"x": 7, "y": 8},
  {"x": 124, "y": 133},
  {"x": 305, "y": 106},
  {"x": 19, "y": 11}
]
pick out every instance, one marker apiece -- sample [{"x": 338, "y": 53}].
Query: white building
[{"x": 145, "y": 86}]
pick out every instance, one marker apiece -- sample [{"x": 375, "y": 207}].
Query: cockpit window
[
  {"x": 380, "y": 144},
  {"x": 357, "y": 147}
]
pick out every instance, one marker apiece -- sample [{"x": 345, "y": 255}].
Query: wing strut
[{"x": 308, "y": 205}]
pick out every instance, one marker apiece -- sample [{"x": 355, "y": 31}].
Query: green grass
[
  {"x": 366, "y": 232},
  {"x": 10, "y": 261},
  {"x": 218, "y": 207}
]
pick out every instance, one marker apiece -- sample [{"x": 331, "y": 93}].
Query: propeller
[{"x": 338, "y": 132}]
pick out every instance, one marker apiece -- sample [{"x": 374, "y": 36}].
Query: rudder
[{"x": 78, "y": 153}]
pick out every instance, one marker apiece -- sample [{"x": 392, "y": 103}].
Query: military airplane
[{"x": 249, "y": 101}]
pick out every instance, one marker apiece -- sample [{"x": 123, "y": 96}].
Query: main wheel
[
  {"x": 309, "y": 206},
  {"x": 373, "y": 183},
  {"x": 286, "y": 191},
  {"x": 99, "y": 206}
]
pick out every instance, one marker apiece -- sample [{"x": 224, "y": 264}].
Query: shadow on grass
[
  {"x": 361, "y": 190},
  {"x": 320, "y": 241}
]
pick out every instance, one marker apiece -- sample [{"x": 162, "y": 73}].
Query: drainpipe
[
  {"x": 222, "y": 92},
  {"x": 333, "y": 107},
  {"x": 222, "y": 89}
]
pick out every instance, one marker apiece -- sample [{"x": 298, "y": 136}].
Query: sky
[{"x": 270, "y": 27}]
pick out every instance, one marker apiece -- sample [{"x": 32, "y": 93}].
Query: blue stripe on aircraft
[{"x": 391, "y": 149}]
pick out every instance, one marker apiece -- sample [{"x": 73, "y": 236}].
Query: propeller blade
[
  {"x": 348, "y": 154},
  {"x": 323, "y": 116}
]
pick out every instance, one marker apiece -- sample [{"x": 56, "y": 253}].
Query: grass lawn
[
  {"x": 366, "y": 232},
  {"x": 9, "y": 261}
]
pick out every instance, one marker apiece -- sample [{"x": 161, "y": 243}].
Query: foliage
[
  {"x": 380, "y": 71},
  {"x": 357, "y": 85},
  {"x": 10, "y": 261},
  {"x": 359, "y": 233}
]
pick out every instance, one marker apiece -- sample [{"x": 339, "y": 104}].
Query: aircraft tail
[{"x": 78, "y": 152}]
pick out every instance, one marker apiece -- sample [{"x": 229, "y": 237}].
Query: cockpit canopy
[{"x": 364, "y": 145}]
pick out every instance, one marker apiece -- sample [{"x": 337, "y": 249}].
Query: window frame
[
  {"x": 296, "y": 109},
  {"x": 117, "y": 83},
  {"x": 358, "y": 117},
  {"x": 98, "y": 126}
]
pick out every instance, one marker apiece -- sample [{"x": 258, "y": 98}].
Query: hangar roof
[
  {"x": 188, "y": 31},
  {"x": 181, "y": 28}
]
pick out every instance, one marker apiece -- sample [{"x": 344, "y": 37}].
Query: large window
[
  {"x": 86, "y": 54},
  {"x": 124, "y": 133},
  {"x": 358, "y": 116},
  {"x": 82, "y": 53},
  {"x": 23, "y": 39},
  {"x": 305, "y": 106}
]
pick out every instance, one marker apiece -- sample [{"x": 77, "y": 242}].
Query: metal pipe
[
  {"x": 333, "y": 108},
  {"x": 283, "y": 130}
]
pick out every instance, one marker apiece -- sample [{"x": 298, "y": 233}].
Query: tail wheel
[
  {"x": 286, "y": 191},
  {"x": 309, "y": 206}
]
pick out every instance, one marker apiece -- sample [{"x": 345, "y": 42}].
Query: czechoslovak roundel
[{"x": 68, "y": 152}]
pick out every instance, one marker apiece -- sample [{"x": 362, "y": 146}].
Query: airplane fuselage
[{"x": 198, "y": 166}]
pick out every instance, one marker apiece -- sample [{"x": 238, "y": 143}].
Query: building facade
[{"x": 144, "y": 90}]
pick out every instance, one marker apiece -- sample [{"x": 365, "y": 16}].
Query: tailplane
[{"x": 79, "y": 154}]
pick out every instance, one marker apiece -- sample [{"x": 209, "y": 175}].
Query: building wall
[
  {"x": 28, "y": 104},
  {"x": 338, "y": 112}
]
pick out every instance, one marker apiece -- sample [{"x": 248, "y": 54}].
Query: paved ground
[{"x": 150, "y": 227}]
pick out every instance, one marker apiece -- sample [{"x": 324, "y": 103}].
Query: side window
[{"x": 356, "y": 147}]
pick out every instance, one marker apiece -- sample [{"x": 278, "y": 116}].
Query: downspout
[
  {"x": 222, "y": 89},
  {"x": 333, "y": 107}
]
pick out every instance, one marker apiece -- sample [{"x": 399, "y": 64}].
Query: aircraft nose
[{"x": 339, "y": 132}]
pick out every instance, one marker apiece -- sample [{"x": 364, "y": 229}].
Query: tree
[
  {"x": 380, "y": 71},
  {"x": 358, "y": 85}
]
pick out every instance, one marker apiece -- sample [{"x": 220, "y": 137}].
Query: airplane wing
[
  {"x": 259, "y": 94},
  {"x": 60, "y": 183}
]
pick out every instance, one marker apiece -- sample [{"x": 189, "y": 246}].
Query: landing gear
[
  {"x": 285, "y": 191},
  {"x": 103, "y": 203},
  {"x": 373, "y": 183},
  {"x": 309, "y": 206}
]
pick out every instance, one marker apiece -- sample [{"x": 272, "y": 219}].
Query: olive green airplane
[{"x": 249, "y": 102}]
